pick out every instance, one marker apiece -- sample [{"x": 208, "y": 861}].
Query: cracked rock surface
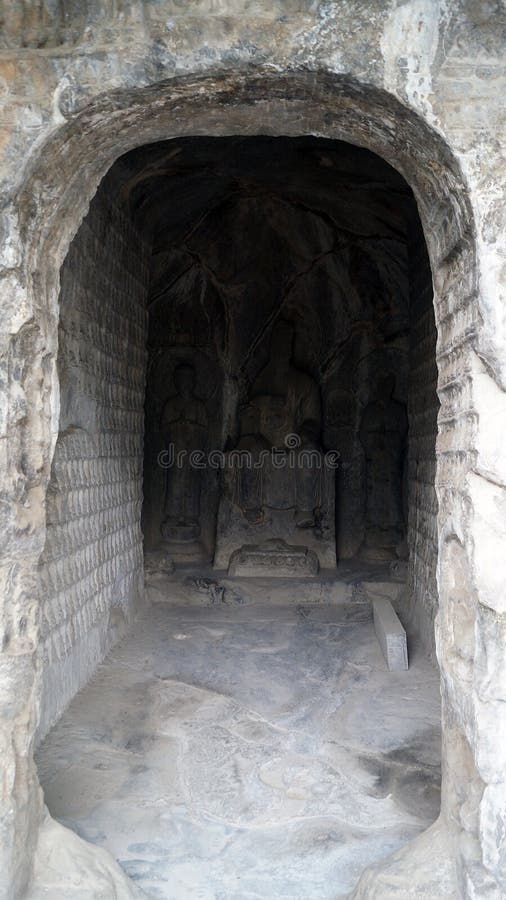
[{"x": 245, "y": 752}]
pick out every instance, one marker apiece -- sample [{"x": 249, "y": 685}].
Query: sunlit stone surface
[{"x": 236, "y": 750}]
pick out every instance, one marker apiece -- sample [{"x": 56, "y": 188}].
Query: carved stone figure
[
  {"x": 383, "y": 433},
  {"x": 184, "y": 428},
  {"x": 277, "y": 487},
  {"x": 283, "y": 414}
]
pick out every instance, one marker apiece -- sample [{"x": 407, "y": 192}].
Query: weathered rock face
[{"x": 421, "y": 84}]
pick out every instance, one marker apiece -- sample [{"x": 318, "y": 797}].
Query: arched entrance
[{"x": 52, "y": 205}]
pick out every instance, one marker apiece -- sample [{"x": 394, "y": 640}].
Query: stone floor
[{"x": 244, "y": 751}]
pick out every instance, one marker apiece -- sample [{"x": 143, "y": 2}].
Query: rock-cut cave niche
[{"x": 280, "y": 317}]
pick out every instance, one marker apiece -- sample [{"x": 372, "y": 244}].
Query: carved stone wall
[
  {"x": 423, "y": 408},
  {"x": 92, "y": 567}
]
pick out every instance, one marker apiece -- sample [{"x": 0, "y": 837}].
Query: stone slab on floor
[
  {"x": 246, "y": 751},
  {"x": 391, "y": 635}
]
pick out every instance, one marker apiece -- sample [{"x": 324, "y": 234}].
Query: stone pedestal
[{"x": 275, "y": 559}]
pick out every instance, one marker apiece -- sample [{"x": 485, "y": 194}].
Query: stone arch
[{"x": 62, "y": 178}]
